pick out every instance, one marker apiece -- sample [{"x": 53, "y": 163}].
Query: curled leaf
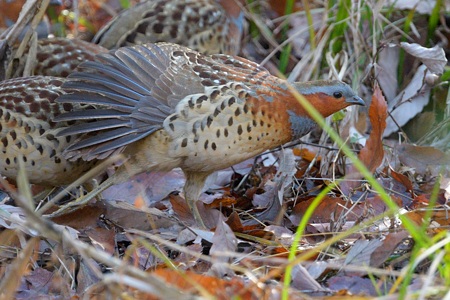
[{"x": 433, "y": 58}]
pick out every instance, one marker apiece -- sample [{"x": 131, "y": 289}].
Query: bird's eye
[{"x": 337, "y": 95}]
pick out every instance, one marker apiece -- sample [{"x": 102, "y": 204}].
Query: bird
[
  {"x": 59, "y": 57},
  {"x": 28, "y": 134},
  {"x": 208, "y": 26},
  {"x": 162, "y": 106}
]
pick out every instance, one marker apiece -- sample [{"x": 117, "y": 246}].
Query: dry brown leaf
[
  {"x": 224, "y": 242},
  {"x": 221, "y": 289},
  {"x": 180, "y": 207},
  {"x": 423, "y": 159},
  {"x": 361, "y": 251},
  {"x": 388, "y": 246},
  {"x": 354, "y": 285},
  {"x": 372, "y": 154},
  {"x": 303, "y": 281},
  {"x": 403, "y": 180}
]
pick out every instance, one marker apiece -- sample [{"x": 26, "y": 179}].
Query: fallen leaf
[
  {"x": 152, "y": 186},
  {"x": 409, "y": 102},
  {"x": 86, "y": 276},
  {"x": 361, "y": 251},
  {"x": 303, "y": 281},
  {"x": 387, "y": 248},
  {"x": 272, "y": 198},
  {"x": 221, "y": 289},
  {"x": 433, "y": 58},
  {"x": 330, "y": 207},
  {"x": 126, "y": 215},
  {"x": 404, "y": 180},
  {"x": 356, "y": 285},
  {"x": 372, "y": 154},
  {"x": 235, "y": 222},
  {"x": 386, "y": 70},
  {"x": 423, "y": 159},
  {"x": 224, "y": 242},
  {"x": 180, "y": 207}
]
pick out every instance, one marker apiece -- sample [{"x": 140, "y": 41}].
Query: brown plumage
[
  {"x": 60, "y": 56},
  {"x": 208, "y": 26},
  {"x": 27, "y": 107},
  {"x": 166, "y": 106}
]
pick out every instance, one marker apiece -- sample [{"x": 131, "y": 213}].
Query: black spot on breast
[
  {"x": 177, "y": 53},
  {"x": 202, "y": 98},
  {"x": 39, "y": 148},
  {"x": 239, "y": 130},
  {"x": 209, "y": 121},
  {"x": 13, "y": 134},
  {"x": 184, "y": 143},
  {"x": 158, "y": 28},
  {"x": 214, "y": 146},
  {"x": 214, "y": 94},
  {"x": 230, "y": 121}
]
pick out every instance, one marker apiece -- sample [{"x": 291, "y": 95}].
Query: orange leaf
[
  {"x": 372, "y": 154},
  {"x": 190, "y": 281}
]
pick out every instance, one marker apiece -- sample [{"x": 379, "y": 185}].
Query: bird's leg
[{"x": 195, "y": 182}]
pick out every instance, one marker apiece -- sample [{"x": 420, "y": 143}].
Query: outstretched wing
[
  {"x": 127, "y": 94},
  {"x": 124, "y": 96}
]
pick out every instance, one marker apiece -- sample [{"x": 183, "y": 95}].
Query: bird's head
[{"x": 328, "y": 96}]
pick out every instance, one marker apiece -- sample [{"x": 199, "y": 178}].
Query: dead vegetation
[{"x": 357, "y": 210}]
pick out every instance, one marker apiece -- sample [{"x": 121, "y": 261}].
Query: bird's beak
[{"x": 355, "y": 100}]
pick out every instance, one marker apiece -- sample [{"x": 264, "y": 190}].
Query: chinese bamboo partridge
[
  {"x": 162, "y": 106},
  {"x": 27, "y": 132},
  {"x": 59, "y": 56},
  {"x": 208, "y": 26}
]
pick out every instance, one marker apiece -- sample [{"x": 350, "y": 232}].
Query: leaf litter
[{"x": 140, "y": 239}]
